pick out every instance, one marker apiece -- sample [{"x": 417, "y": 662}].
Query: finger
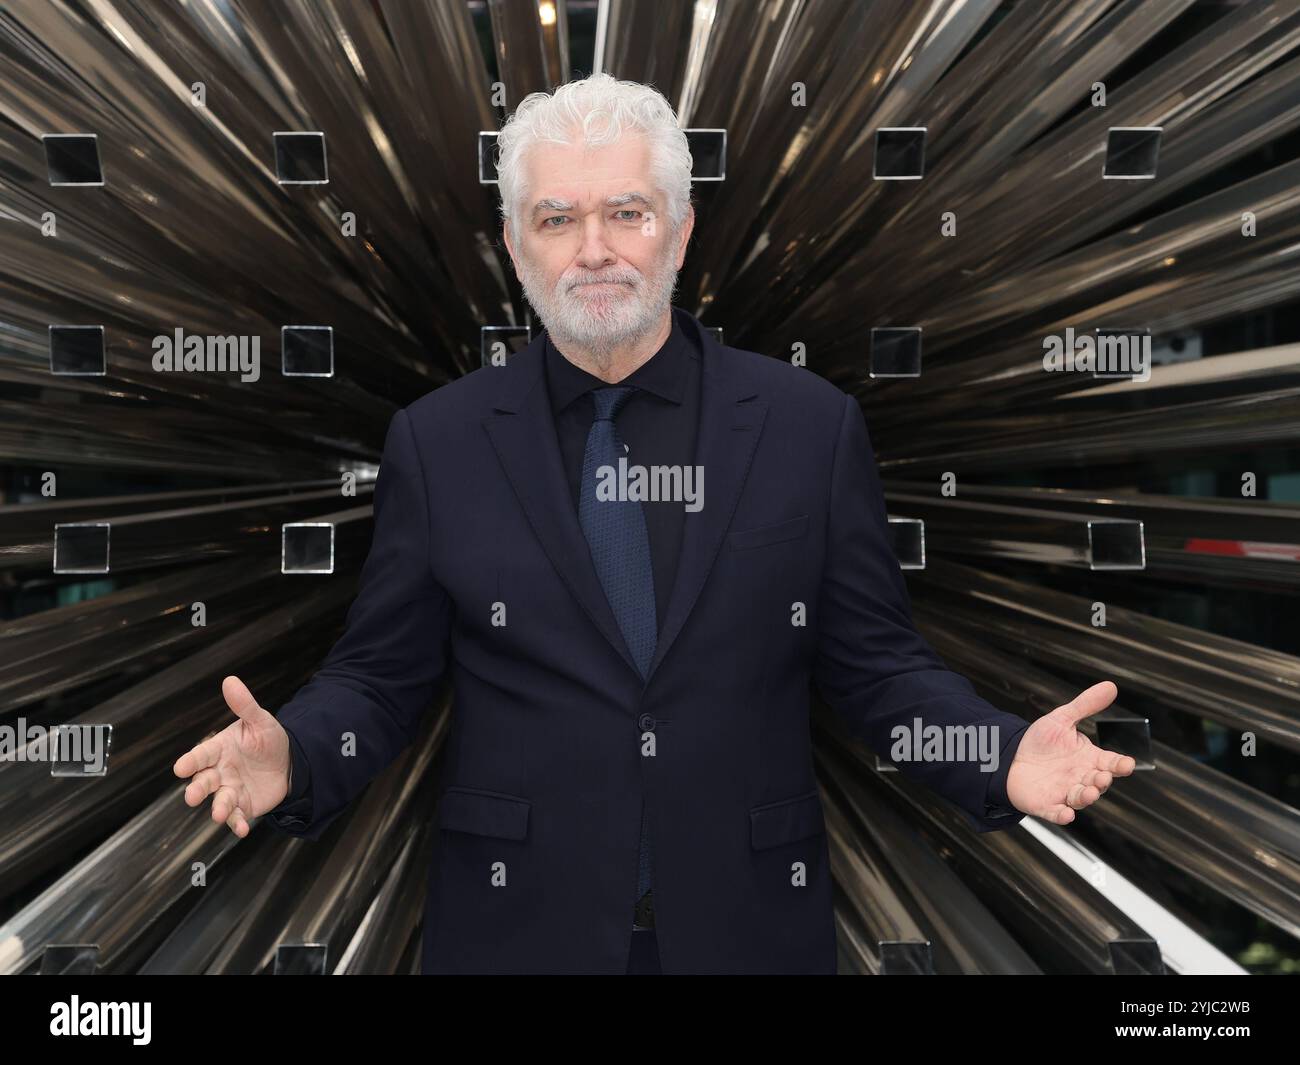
[
  {"x": 198, "y": 757},
  {"x": 240, "y": 700},
  {"x": 1098, "y": 778},
  {"x": 1059, "y": 814},
  {"x": 1121, "y": 765},
  {"x": 224, "y": 802},
  {"x": 1081, "y": 795},
  {"x": 238, "y": 823},
  {"x": 205, "y": 782},
  {"x": 1088, "y": 702}
]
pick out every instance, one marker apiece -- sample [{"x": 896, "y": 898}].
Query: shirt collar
[{"x": 663, "y": 374}]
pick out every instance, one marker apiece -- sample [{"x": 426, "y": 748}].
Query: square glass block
[
  {"x": 900, "y": 153},
  {"x": 1132, "y": 152},
  {"x": 1128, "y": 735},
  {"x": 1136, "y": 957},
  {"x": 300, "y": 959},
  {"x": 69, "y": 959},
  {"x": 905, "y": 958},
  {"x": 307, "y": 547},
  {"x": 300, "y": 158},
  {"x": 498, "y": 342},
  {"x": 81, "y": 546},
  {"x": 1116, "y": 543},
  {"x": 708, "y": 154},
  {"x": 487, "y": 157},
  {"x": 73, "y": 159},
  {"x": 77, "y": 350},
  {"x": 1123, "y": 354},
  {"x": 307, "y": 350},
  {"x": 895, "y": 352},
  {"x": 80, "y": 750},
  {"x": 907, "y": 539}
]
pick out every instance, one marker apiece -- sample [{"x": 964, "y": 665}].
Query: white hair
[{"x": 602, "y": 108}]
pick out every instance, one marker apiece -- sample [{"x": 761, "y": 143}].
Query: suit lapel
[
  {"x": 526, "y": 443},
  {"x": 731, "y": 421}
]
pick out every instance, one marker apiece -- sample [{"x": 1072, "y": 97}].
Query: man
[{"x": 629, "y": 780}]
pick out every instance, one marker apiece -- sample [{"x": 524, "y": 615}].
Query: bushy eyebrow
[
  {"x": 551, "y": 204},
  {"x": 630, "y": 197}
]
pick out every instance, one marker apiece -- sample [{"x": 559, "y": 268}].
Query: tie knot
[{"x": 609, "y": 401}]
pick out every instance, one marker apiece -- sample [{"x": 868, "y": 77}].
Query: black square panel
[
  {"x": 307, "y": 547},
  {"x": 1132, "y": 152},
  {"x": 895, "y": 352},
  {"x": 1123, "y": 354},
  {"x": 69, "y": 959},
  {"x": 900, "y": 153},
  {"x": 81, "y": 547},
  {"x": 1116, "y": 543},
  {"x": 498, "y": 342},
  {"x": 1127, "y": 735},
  {"x": 902, "y": 958},
  {"x": 77, "y": 350},
  {"x": 80, "y": 750},
  {"x": 708, "y": 154},
  {"x": 1136, "y": 957},
  {"x": 300, "y": 959},
  {"x": 307, "y": 350},
  {"x": 73, "y": 159},
  {"x": 300, "y": 159},
  {"x": 907, "y": 539},
  {"x": 487, "y": 157}
]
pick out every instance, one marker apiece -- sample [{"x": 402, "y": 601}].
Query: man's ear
[
  {"x": 505, "y": 235},
  {"x": 687, "y": 226}
]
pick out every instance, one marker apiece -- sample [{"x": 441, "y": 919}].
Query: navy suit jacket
[{"x": 554, "y": 735}]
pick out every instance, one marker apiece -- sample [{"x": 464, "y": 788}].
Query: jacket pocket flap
[
  {"x": 771, "y": 534},
  {"x": 775, "y": 823},
  {"x": 484, "y": 813}
]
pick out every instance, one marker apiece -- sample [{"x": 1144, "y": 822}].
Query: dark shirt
[{"x": 658, "y": 425}]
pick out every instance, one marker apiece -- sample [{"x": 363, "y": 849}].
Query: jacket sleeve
[
  {"x": 295, "y": 808},
  {"x": 363, "y": 706},
  {"x": 875, "y": 670}
]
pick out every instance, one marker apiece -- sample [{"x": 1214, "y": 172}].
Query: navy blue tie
[{"x": 620, "y": 548}]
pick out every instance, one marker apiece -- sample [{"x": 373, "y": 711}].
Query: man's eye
[
  {"x": 554, "y": 218},
  {"x": 630, "y": 211}
]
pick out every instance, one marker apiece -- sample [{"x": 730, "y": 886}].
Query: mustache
[{"x": 590, "y": 279}]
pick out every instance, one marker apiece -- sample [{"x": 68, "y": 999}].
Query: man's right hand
[{"x": 246, "y": 764}]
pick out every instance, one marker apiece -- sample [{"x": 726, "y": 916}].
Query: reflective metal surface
[{"x": 1010, "y": 237}]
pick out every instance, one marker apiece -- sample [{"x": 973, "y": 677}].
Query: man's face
[{"x": 598, "y": 273}]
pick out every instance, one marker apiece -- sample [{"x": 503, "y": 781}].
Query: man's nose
[{"x": 595, "y": 251}]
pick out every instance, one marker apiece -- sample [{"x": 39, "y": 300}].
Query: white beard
[{"x": 598, "y": 321}]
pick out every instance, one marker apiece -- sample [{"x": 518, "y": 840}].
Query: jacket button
[{"x": 646, "y": 723}]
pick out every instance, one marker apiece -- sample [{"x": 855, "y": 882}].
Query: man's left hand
[{"x": 1057, "y": 769}]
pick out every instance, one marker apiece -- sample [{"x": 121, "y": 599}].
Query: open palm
[
  {"x": 245, "y": 766},
  {"x": 1057, "y": 769}
]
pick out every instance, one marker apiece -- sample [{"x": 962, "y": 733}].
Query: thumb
[
  {"x": 1089, "y": 701},
  {"x": 241, "y": 701}
]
